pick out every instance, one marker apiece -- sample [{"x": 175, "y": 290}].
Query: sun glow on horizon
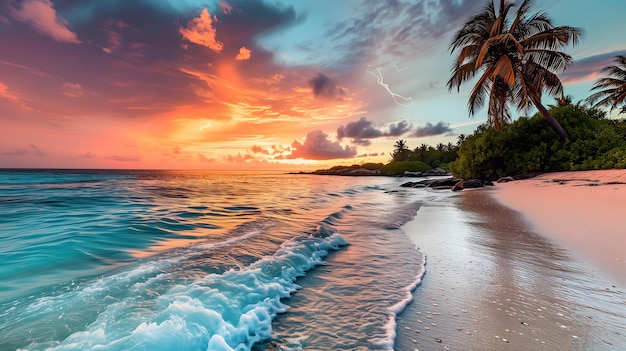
[{"x": 237, "y": 84}]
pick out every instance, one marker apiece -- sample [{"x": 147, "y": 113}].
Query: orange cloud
[
  {"x": 200, "y": 31},
  {"x": 40, "y": 15},
  {"x": 244, "y": 54}
]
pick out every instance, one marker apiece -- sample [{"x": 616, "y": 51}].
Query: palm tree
[
  {"x": 614, "y": 93},
  {"x": 516, "y": 61},
  {"x": 460, "y": 139},
  {"x": 400, "y": 146},
  {"x": 562, "y": 101},
  {"x": 400, "y": 151}
]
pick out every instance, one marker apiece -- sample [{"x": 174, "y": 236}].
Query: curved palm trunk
[{"x": 551, "y": 120}]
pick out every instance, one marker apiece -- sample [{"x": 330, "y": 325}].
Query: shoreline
[
  {"x": 581, "y": 211},
  {"x": 494, "y": 283}
]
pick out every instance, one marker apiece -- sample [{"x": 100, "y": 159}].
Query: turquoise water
[{"x": 166, "y": 260}]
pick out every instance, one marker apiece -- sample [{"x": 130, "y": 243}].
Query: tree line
[
  {"x": 438, "y": 156},
  {"x": 514, "y": 59}
]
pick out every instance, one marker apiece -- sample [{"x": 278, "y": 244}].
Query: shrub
[
  {"x": 529, "y": 145},
  {"x": 399, "y": 167}
]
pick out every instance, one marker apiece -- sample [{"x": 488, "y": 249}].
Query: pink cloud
[
  {"x": 200, "y": 31},
  {"x": 259, "y": 150},
  {"x": 226, "y": 7},
  {"x": 589, "y": 68},
  {"x": 316, "y": 146},
  {"x": 72, "y": 90},
  {"x": 7, "y": 94},
  {"x": 239, "y": 158},
  {"x": 41, "y": 15},
  {"x": 4, "y": 92},
  {"x": 244, "y": 54}
]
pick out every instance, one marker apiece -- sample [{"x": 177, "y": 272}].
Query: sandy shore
[
  {"x": 493, "y": 282},
  {"x": 583, "y": 211}
]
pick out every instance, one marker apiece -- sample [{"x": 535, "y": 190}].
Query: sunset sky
[{"x": 247, "y": 84}]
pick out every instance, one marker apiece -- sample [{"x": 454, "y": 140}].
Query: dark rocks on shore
[
  {"x": 360, "y": 171},
  {"x": 454, "y": 184},
  {"x": 435, "y": 172},
  {"x": 468, "y": 184},
  {"x": 439, "y": 184}
]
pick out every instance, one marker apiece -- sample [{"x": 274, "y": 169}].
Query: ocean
[{"x": 194, "y": 260}]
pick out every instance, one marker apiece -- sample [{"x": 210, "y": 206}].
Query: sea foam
[
  {"x": 228, "y": 311},
  {"x": 397, "y": 309}
]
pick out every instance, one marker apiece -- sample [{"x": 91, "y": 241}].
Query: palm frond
[
  {"x": 516, "y": 61},
  {"x": 612, "y": 89},
  {"x": 477, "y": 97},
  {"x": 555, "y": 61},
  {"x": 505, "y": 71},
  {"x": 520, "y": 15},
  {"x": 461, "y": 74}
]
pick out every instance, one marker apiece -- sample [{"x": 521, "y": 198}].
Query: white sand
[
  {"x": 492, "y": 283},
  {"x": 589, "y": 220}
]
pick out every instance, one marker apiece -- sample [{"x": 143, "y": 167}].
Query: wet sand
[
  {"x": 493, "y": 283},
  {"x": 582, "y": 211}
]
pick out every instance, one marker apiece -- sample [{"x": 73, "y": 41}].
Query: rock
[
  {"x": 488, "y": 183},
  {"x": 505, "y": 180},
  {"x": 419, "y": 184},
  {"x": 472, "y": 183},
  {"x": 468, "y": 184},
  {"x": 448, "y": 182},
  {"x": 412, "y": 174}
]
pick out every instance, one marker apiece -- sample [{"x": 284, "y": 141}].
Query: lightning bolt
[
  {"x": 398, "y": 99},
  {"x": 400, "y": 69}
]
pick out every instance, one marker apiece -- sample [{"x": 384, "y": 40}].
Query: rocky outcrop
[
  {"x": 454, "y": 184},
  {"x": 437, "y": 184},
  {"x": 435, "y": 172}
]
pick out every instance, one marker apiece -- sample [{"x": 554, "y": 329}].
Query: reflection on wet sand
[{"x": 492, "y": 284}]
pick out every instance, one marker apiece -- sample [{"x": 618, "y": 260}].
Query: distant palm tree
[
  {"x": 516, "y": 60},
  {"x": 460, "y": 139},
  {"x": 564, "y": 100},
  {"x": 400, "y": 151},
  {"x": 400, "y": 146},
  {"x": 614, "y": 93}
]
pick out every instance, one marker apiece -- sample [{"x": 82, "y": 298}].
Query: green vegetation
[
  {"x": 526, "y": 146},
  {"x": 516, "y": 60},
  {"x": 399, "y": 167},
  {"x": 364, "y": 169}
]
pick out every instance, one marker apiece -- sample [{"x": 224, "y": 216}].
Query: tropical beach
[
  {"x": 520, "y": 267},
  {"x": 288, "y": 175}
]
